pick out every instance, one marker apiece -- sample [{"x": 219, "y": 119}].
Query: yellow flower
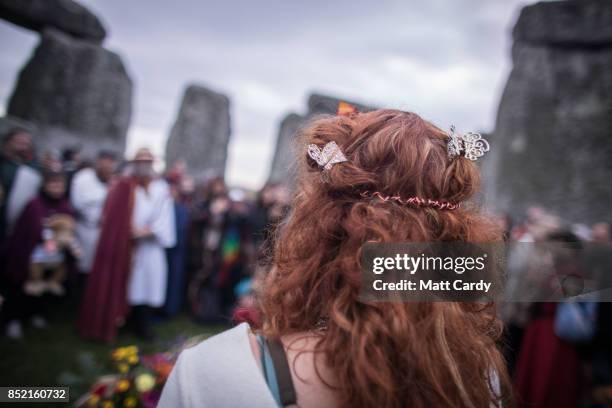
[
  {"x": 93, "y": 400},
  {"x": 124, "y": 352},
  {"x": 123, "y": 368},
  {"x": 144, "y": 382},
  {"x": 130, "y": 402},
  {"x": 133, "y": 359},
  {"x": 107, "y": 404},
  {"x": 123, "y": 385},
  {"x": 130, "y": 350},
  {"x": 118, "y": 354}
]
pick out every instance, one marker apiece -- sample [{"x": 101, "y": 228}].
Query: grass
[{"x": 56, "y": 356}]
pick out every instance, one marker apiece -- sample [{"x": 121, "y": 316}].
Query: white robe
[
  {"x": 25, "y": 188},
  {"x": 87, "y": 196},
  {"x": 153, "y": 208}
]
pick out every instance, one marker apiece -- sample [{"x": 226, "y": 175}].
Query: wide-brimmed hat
[{"x": 143, "y": 155}]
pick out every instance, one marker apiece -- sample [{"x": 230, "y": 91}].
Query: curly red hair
[{"x": 383, "y": 354}]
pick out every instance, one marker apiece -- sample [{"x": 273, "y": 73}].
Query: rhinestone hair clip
[
  {"x": 412, "y": 201},
  {"x": 328, "y": 156},
  {"x": 472, "y": 145}
]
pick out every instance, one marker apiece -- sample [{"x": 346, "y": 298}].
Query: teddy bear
[{"x": 58, "y": 239}]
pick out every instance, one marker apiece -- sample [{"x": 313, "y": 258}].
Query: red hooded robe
[{"x": 104, "y": 306}]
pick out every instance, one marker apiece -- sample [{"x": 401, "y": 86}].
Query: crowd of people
[
  {"x": 559, "y": 353},
  {"x": 87, "y": 231},
  {"x": 129, "y": 244}
]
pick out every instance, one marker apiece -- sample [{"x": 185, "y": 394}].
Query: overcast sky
[{"x": 446, "y": 60}]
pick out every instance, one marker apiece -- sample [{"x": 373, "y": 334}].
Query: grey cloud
[{"x": 278, "y": 51}]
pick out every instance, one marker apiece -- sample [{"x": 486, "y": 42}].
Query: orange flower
[
  {"x": 346, "y": 109},
  {"x": 123, "y": 385}
]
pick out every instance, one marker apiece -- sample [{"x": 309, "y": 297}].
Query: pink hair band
[{"x": 414, "y": 201}]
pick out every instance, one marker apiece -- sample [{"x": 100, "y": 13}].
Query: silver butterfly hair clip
[
  {"x": 328, "y": 156},
  {"x": 471, "y": 144}
]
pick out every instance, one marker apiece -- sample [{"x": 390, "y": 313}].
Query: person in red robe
[
  {"x": 548, "y": 367},
  {"x": 129, "y": 271},
  {"x": 104, "y": 305}
]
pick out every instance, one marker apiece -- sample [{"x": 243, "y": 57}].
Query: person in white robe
[
  {"x": 25, "y": 188},
  {"x": 87, "y": 196},
  {"x": 153, "y": 228},
  {"x": 19, "y": 179}
]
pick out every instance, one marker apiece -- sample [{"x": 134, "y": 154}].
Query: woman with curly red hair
[{"x": 317, "y": 344}]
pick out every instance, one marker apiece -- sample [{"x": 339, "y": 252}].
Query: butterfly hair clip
[
  {"x": 471, "y": 144},
  {"x": 328, "y": 156}
]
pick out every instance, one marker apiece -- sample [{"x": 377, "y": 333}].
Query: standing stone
[
  {"x": 284, "y": 167},
  {"x": 552, "y": 144},
  {"x": 65, "y": 15},
  {"x": 284, "y": 162},
  {"x": 566, "y": 23},
  {"x": 201, "y": 132},
  {"x": 75, "y": 92}
]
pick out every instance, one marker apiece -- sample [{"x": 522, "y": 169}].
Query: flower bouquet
[{"x": 138, "y": 380}]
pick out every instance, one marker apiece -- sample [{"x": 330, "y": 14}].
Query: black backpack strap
[{"x": 283, "y": 373}]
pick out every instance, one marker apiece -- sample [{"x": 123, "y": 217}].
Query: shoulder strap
[
  {"x": 268, "y": 368},
  {"x": 283, "y": 373},
  {"x": 276, "y": 371}
]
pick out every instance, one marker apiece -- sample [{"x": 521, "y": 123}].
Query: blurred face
[
  {"x": 143, "y": 169},
  {"x": 601, "y": 232},
  {"x": 268, "y": 196},
  {"x": 187, "y": 186},
  {"x": 55, "y": 188},
  {"x": 50, "y": 161},
  {"x": 20, "y": 146},
  {"x": 534, "y": 214},
  {"x": 218, "y": 187},
  {"x": 76, "y": 157},
  {"x": 105, "y": 167}
]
